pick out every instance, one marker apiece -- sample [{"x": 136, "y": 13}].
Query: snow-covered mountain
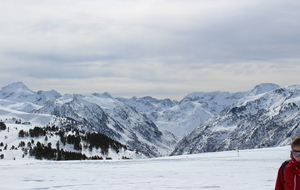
[
  {"x": 106, "y": 115},
  {"x": 184, "y": 116},
  {"x": 17, "y": 96},
  {"x": 94, "y": 112},
  {"x": 261, "y": 119},
  {"x": 265, "y": 116}
]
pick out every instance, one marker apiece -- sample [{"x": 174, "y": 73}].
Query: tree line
[{"x": 78, "y": 139}]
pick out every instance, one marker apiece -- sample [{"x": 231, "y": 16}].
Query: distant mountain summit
[
  {"x": 20, "y": 97},
  {"x": 262, "y": 88},
  {"x": 21, "y": 93},
  {"x": 16, "y": 91}
]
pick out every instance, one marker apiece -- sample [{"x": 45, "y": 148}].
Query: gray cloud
[{"x": 141, "y": 46}]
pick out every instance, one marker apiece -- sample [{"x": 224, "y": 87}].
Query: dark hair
[{"x": 295, "y": 142}]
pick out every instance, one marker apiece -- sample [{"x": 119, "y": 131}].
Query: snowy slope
[
  {"x": 250, "y": 170},
  {"x": 7, "y": 114},
  {"x": 11, "y": 147}
]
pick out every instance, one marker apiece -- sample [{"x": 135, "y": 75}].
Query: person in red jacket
[{"x": 288, "y": 177}]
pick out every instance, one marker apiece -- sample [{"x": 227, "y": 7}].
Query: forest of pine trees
[{"x": 78, "y": 140}]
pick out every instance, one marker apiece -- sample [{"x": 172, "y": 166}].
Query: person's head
[{"x": 295, "y": 146}]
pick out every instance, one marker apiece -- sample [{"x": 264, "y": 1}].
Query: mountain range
[
  {"x": 259, "y": 119},
  {"x": 265, "y": 116}
]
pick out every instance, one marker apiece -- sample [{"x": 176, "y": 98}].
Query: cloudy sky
[{"x": 160, "y": 48}]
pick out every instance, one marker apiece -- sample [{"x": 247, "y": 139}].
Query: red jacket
[{"x": 291, "y": 178}]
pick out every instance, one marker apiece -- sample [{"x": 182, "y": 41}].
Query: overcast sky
[{"x": 160, "y": 48}]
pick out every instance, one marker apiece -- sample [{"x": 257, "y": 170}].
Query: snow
[
  {"x": 246, "y": 169},
  {"x": 228, "y": 170},
  {"x": 36, "y": 119},
  {"x": 10, "y": 137}
]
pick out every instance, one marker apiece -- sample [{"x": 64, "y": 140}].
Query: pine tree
[
  {"x": 2, "y": 126},
  {"x": 21, "y": 133}
]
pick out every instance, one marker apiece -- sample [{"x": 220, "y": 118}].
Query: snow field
[{"x": 230, "y": 170}]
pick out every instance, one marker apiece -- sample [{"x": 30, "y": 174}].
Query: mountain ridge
[
  {"x": 265, "y": 120},
  {"x": 149, "y": 125}
]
